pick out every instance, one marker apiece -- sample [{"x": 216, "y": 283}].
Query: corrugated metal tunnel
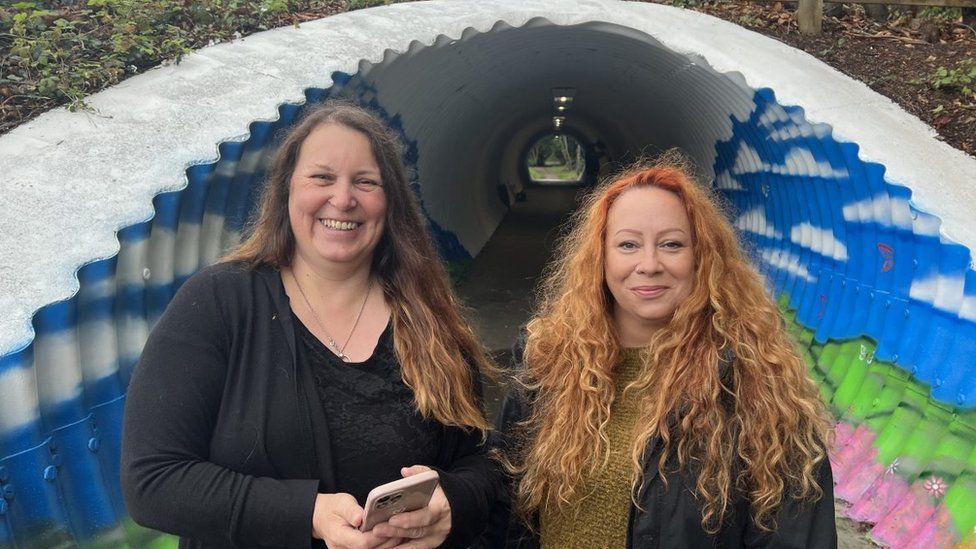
[{"x": 882, "y": 301}]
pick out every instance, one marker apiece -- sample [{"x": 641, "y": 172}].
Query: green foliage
[
  {"x": 547, "y": 150},
  {"x": 960, "y": 79},
  {"x": 556, "y": 156},
  {"x": 750, "y": 21},
  {"x": 363, "y": 4},
  {"x": 55, "y": 53},
  {"x": 274, "y": 6},
  {"x": 834, "y": 48},
  {"x": 945, "y": 14},
  {"x": 64, "y": 55}
]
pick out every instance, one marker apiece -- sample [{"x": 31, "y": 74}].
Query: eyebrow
[
  {"x": 330, "y": 169},
  {"x": 635, "y": 231},
  {"x": 312, "y": 167}
]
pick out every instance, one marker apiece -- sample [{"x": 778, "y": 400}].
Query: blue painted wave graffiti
[{"x": 858, "y": 262}]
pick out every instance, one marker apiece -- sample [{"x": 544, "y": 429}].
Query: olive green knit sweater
[{"x": 599, "y": 517}]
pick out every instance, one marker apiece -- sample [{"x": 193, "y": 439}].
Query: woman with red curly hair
[{"x": 662, "y": 403}]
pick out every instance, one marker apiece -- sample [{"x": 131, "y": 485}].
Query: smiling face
[
  {"x": 336, "y": 202},
  {"x": 649, "y": 261}
]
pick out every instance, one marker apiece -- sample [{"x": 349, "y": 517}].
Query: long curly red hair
[{"x": 775, "y": 429}]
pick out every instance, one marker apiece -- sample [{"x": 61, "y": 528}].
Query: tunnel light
[{"x": 563, "y": 96}]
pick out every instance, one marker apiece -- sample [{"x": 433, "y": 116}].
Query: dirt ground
[{"x": 899, "y": 56}]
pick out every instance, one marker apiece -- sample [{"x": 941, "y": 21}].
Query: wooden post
[{"x": 809, "y": 16}]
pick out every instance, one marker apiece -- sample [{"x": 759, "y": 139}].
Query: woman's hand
[
  {"x": 424, "y": 528},
  {"x": 336, "y": 520}
]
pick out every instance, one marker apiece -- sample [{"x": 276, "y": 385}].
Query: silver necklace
[{"x": 332, "y": 343}]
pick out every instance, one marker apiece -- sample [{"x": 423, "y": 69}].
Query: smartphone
[{"x": 407, "y": 494}]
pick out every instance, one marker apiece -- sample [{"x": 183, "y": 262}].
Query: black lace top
[{"x": 374, "y": 426}]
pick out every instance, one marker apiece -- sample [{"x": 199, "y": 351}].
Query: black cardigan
[
  {"x": 670, "y": 516},
  {"x": 220, "y": 443}
]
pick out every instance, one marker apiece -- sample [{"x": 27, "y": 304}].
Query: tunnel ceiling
[{"x": 473, "y": 104}]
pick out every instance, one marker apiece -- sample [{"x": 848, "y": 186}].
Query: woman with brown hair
[
  {"x": 662, "y": 403},
  {"x": 321, "y": 358}
]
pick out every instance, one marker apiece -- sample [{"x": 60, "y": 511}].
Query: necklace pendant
[
  {"x": 337, "y": 350},
  {"x": 332, "y": 342}
]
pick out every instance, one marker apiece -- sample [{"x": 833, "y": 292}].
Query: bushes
[
  {"x": 961, "y": 79},
  {"x": 57, "y": 52},
  {"x": 64, "y": 54}
]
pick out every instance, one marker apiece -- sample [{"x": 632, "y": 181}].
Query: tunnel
[{"x": 857, "y": 217}]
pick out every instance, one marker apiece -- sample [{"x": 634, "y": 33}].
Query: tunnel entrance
[
  {"x": 474, "y": 108},
  {"x": 559, "y": 159}
]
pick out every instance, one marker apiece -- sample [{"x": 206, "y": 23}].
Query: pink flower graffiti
[
  {"x": 904, "y": 514},
  {"x": 892, "y": 467},
  {"x": 936, "y": 486}
]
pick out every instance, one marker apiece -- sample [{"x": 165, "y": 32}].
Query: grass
[
  {"x": 561, "y": 172},
  {"x": 57, "y": 52}
]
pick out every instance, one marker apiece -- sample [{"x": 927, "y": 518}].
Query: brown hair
[
  {"x": 767, "y": 414},
  {"x": 433, "y": 342}
]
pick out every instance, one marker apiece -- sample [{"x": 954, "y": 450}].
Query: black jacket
[
  {"x": 670, "y": 517},
  {"x": 220, "y": 443}
]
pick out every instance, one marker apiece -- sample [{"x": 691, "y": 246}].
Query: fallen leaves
[{"x": 896, "y": 57}]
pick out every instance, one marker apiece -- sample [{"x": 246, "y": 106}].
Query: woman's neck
[
  {"x": 632, "y": 333},
  {"x": 632, "y": 330},
  {"x": 332, "y": 288}
]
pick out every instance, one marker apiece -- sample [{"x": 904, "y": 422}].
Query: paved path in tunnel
[
  {"x": 500, "y": 284},
  {"x": 499, "y": 290}
]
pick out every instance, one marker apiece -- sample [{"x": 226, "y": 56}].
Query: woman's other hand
[
  {"x": 336, "y": 520},
  {"x": 424, "y": 528}
]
